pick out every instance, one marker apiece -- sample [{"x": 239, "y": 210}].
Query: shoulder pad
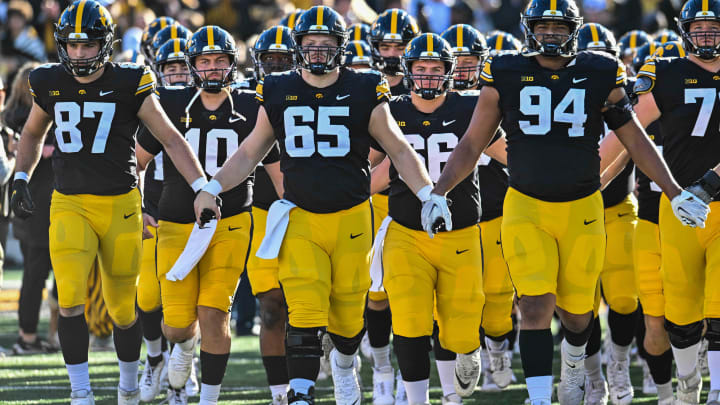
[{"x": 643, "y": 84}]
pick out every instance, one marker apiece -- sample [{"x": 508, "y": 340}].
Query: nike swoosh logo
[
  {"x": 576, "y": 81},
  {"x": 623, "y": 396},
  {"x": 126, "y": 216},
  {"x": 355, "y": 236},
  {"x": 497, "y": 242},
  {"x": 586, "y": 222},
  {"x": 460, "y": 382},
  {"x": 448, "y": 122},
  {"x": 236, "y": 119},
  {"x": 571, "y": 365},
  {"x": 105, "y": 93},
  {"x": 623, "y": 214},
  {"x": 230, "y": 228},
  {"x": 459, "y": 252},
  {"x": 338, "y": 98}
]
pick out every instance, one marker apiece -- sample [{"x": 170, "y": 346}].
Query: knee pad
[
  {"x": 684, "y": 336},
  {"x": 712, "y": 334},
  {"x": 304, "y": 342},
  {"x": 347, "y": 345}
]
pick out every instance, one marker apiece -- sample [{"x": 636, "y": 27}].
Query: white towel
[
  {"x": 277, "y": 223},
  {"x": 376, "y": 266},
  {"x": 195, "y": 248}
]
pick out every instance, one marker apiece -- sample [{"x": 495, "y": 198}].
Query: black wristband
[{"x": 710, "y": 182}]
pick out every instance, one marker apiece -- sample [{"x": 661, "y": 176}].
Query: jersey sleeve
[
  {"x": 259, "y": 91},
  {"x": 382, "y": 90},
  {"x": 146, "y": 139},
  {"x": 273, "y": 155},
  {"x": 37, "y": 88},
  {"x": 621, "y": 74},
  {"x": 646, "y": 77},
  {"x": 486, "y": 74},
  {"x": 146, "y": 84}
]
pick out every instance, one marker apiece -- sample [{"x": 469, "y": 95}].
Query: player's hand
[
  {"x": 207, "y": 207},
  {"x": 21, "y": 202},
  {"x": 148, "y": 220},
  {"x": 436, "y": 214},
  {"x": 690, "y": 209}
]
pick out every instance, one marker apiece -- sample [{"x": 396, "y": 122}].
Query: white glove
[
  {"x": 689, "y": 209},
  {"x": 435, "y": 210}
]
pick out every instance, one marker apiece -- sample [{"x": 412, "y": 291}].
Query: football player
[
  {"x": 272, "y": 53},
  {"x": 666, "y": 35},
  {"x": 502, "y": 42},
  {"x": 203, "y": 298},
  {"x": 358, "y": 55},
  {"x": 690, "y": 133},
  {"x": 148, "y": 35},
  {"x": 359, "y": 32},
  {"x": 173, "y": 31},
  {"x": 291, "y": 18},
  {"x": 469, "y": 47},
  {"x": 324, "y": 117},
  {"x": 172, "y": 71},
  {"x": 629, "y": 44},
  {"x": 553, "y": 236},
  {"x": 96, "y": 107}
]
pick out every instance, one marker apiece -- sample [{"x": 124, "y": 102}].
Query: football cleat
[
  {"x": 451, "y": 399},
  {"x": 400, "y": 394},
  {"x": 688, "y": 389},
  {"x": 128, "y": 397},
  {"x": 280, "y": 399},
  {"x": 179, "y": 367},
  {"x": 488, "y": 384},
  {"x": 383, "y": 384},
  {"x": 596, "y": 392},
  {"x": 467, "y": 372},
  {"x": 571, "y": 388},
  {"x": 621, "y": 389},
  {"x": 713, "y": 398},
  {"x": 82, "y": 397},
  {"x": 176, "y": 396},
  {"x": 150, "y": 380},
  {"x": 300, "y": 398},
  {"x": 500, "y": 368},
  {"x": 347, "y": 386}
]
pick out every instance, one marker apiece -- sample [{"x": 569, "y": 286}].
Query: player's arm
[
  {"x": 380, "y": 177},
  {"x": 143, "y": 157},
  {"x": 276, "y": 176},
  {"x": 615, "y": 168},
  {"x": 236, "y": 169},
  {"x": 385, "y": 130},
  {"x": 463, "y": 159},
  {"x": 156, "y": 121},
  {"x": 498, "y": 150}
]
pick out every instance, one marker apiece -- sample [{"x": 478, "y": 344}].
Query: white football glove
[
  {"x": 435, "y": 210},
  {"x": 690, "y": 209}
]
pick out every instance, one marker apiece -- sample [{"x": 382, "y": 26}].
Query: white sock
[
  {"x": 620, "y": 353},
  {"x": 301, "y": 385},
  {"x": 686, "y": 359},
  {"x": 664, "y": 390},
  {"x": 154, "y": 347},
  {"x": 280, "y": 389},
  {"x": 539, "y": 387},
  {"x": 79, "y": 376},
  {"x": 344, "y": 360},
  {"x": 128, "y": 375},
  {"x": 574, "y": 353},
  {"x": 593, "y": 367},
  {"x": 714, "y": 366},
  {"x": 496, "y": 346},
  {"x": 381, "y": 357},
  {"x": 188, "y": 345},
  {"x": 446, "y": 372},
  {"x": 209, "y": 394},
  {"x": 418, "y": 392}
]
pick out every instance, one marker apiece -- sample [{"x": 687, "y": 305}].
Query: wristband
[
  {"x": 21, "y": 176},
  {"x": 198, "y": 184},
  {"x": 213, "y": 188},
  {"x": 424, "y": 193}
]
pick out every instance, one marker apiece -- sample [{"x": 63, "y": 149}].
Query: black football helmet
[
  {"x": 596, "y": 37},
  {"x": 631, "y": 41},
  {"x": 211, "y": 39},
  {"x": 148, "y": 35},
  {"x": 171, "y": 51},
  {"x": 324, "y": 21},
  {"x": 428, "y": 47},
  {"x": 358, "y": 53},
  {"x": 279, "y": 40},
  {"x": 174, "y": 31},
  {"x": 666, "y": 35},
  {"x": 564, "y": 11},
  {"x": 465, "y": 40},
  {"x": 359, "y": 32},
  {"x": 699, "y": 10},
  {"x": 671, "y": 49},
  {"x": 292, "y": 18},
  {"x": 500, "y": 42},
  {"x": 85, "y": 21},
  {"x": 396, "y": 26},
  {"x": 643, "y": 54}
]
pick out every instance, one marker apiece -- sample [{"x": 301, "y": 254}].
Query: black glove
[
  {"x": 706, "y": 187},
  {"x": 21, "y": 202}
]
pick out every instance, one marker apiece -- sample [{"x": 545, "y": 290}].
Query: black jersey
[
  {"x": 493, "y": 179},
  {"x": 214, "y": 136},
  {"x": 553, "y": 121},
  {"x": 264, "y": 193},
  {"x": 687, "y": 97},
  {"x": 399, "y": 89},
  {"x": 648, "y": 192},
  {"x": 323, "y": 136},
  {"x": 434, "y": 136},
  {"x": 94, "y": 125},
  {"x": 152, "y": 185}
]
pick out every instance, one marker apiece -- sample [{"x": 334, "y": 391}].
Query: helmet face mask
[
  {"x": 317, "y": 54},
  {"x": 467, "y": 72},
  {"x": 320, "y": 37},
  {"x": 171, "y": 55},
  {"x": 470, "y": 49},
  {"x": 425, "y": 79},
  {"x": 392, "y": 28},
  {"x": 542, "y": 21},
  {"x": 202, "y": 58},
  {"x": 699, "y": 25},
  {"x": 96, "y": 26}
]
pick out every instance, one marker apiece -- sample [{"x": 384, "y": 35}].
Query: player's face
[
  {"x": 213, "y": 66},
  {"x": 391, "y": 49},
  {"x": 276, "y": 62},
  {"x": 318, "y": 48},
  {"x": 428, "y": 74},
  {"x": 705, "y": 33},
  {"x": 83, "y": 50},
  {"x": 466, "y": 67},
  {"x": 551, "y": 32},
  {"x": 175, "y": 73}
]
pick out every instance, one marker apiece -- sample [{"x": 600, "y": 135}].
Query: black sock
[
  {"x": 413, "y": 358},
  {"x": 512, "y": 337},
  {"x": 163, "y": 344},
  {"x": 151, "y": 324},
  {"x": 536, "y": 352},
  {"x": 74, "y": 338},
  {"x": 622, "y": 327},
  {"x": 594, "y": 343},
  {"x": 154, "y": 360},
  {"x": 128, "y": 342},
  {"x": 640, "y": 338},
  {"x": 441, "y": 353},
  {"x": 276, "y": 369},
  {"x": 379, "y": 326},
  {"x": 660, "y": 366},
  {"x": 212, "y": 367}
]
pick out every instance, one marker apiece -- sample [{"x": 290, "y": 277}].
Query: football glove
[
  {"x": 21, "y": 201},
  {"x": 690, "y": 209},
  {"x": 436, "y": 214}
]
